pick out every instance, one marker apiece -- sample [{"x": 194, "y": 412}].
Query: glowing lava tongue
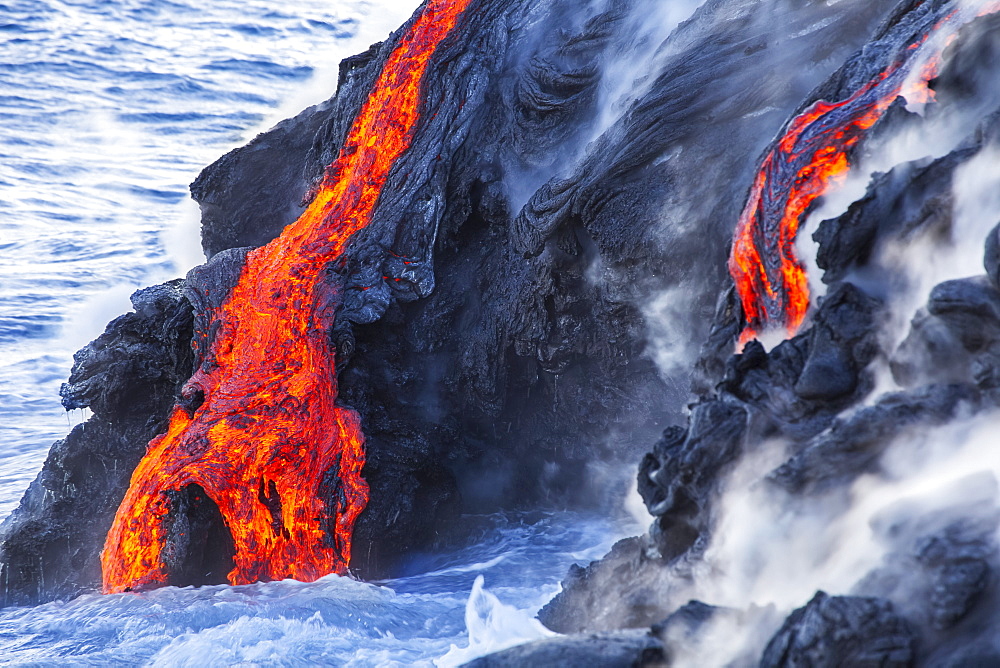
[
  {"x": 269, "y": 432},
  {"x": 807, "y": 161}
]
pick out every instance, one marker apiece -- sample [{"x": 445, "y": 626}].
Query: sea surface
[
  {"x": 108, "y": 110},
  {"x": 453, "y": 608}
]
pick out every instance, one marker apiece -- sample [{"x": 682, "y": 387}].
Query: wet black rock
[
  {"x": 678, "y": 479},
  {"x": 633, "y": 570},
  {"x": 853, "y": 445},
  {"x": 955, "y": 339},
  {"x": 621, "y": 649},
  {"x": 841, "y": 631}
]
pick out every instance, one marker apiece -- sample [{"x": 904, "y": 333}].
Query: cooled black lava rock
[
  {"x": 972, "y": 67},
  {"x": 687, "y": 620},
  {"x": 956, "y": 339},
  {"x": 841, "y": 631},
  {"x": 796, "y": 389},
  {"x": 853, "y": 445},
  {"x": 677, "y": 480},
  {"x": 806, "y": 394},
  {"x": 911, "y": 199},
  {"x": 991, "y": 256},
  {"x": 620, "y": 649},
  {"x": 633, "y": 571},
  {"x": 495, "y": 350},
  {"x": 198, "y": 547}
]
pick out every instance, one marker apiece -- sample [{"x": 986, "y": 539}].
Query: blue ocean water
[
  {"x": 108, "y": 109},
  {"x": 441, "y": 615}
]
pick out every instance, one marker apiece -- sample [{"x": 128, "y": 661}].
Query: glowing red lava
[
  {"x": 809, "y": 160},
  {"x": 269, "y": 432}
]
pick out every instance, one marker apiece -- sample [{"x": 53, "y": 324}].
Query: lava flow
[
  {"x": 808, "y": 160},
  {"x": 268, "y": 442}
]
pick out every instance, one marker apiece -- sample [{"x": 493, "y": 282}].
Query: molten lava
[
  {"x": 268, "y": 442},
  {"x": 810, "y": 158}
]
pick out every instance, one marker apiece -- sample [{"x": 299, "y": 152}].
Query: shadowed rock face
[
  {"x": 842, "y": 631},
  {"x": 128, "y": 377}
]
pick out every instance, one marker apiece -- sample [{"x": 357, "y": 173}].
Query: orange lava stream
[
  {"x": 809, "y": 160},
  {"x": 269, "y": 432},
  {"x": 825, "y": 165}
]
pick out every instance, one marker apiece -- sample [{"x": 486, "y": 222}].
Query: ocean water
[
  {"x": 108, "y": 110},
  {"x": 442, "y": 615}
]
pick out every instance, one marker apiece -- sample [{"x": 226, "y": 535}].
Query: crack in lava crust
[
  {"x": 269, "y": 430},
  {"x": 810, "y": 159}
]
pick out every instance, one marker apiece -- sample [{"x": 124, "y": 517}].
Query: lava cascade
[
  {"x": 811, "y": 158},
  {"x": 266, "y": 439}
]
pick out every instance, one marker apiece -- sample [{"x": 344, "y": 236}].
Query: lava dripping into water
[
  {"x": 811, "y": 158},
  {"x": 268, "y": 442}
]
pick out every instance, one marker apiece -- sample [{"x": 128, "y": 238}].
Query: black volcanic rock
[
  {"x": 484, "y": 379},
  {"x": 619, "y": 649},
  {"x": 913, "y": 198},
  {"x": 678, "y": 479},
  {"x": 853, "y": 445},
  {"x": 942, "y": 554},
  {"x": 956, "y": 338},
  {"x": 687, "y": 620},
  {"x": 493, "y": 351},
  {"x": 798, "y": 387},
  {"x": 841, "y": 631},
  {"x": 633, "y": 571},
  {"x": 811, "y": 394}
]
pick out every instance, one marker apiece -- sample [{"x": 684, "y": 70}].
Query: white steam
[
  {"x": 629, "y": 66},
  {"x": 770, "y": 553},
  {"x": 668, "y": 322},
  {"x": 923, "y": 262}
]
